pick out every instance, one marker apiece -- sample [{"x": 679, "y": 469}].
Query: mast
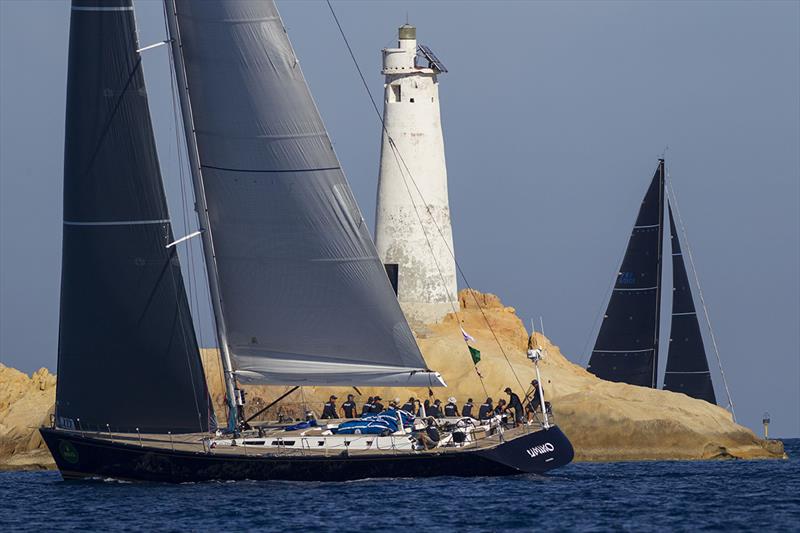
[
  {"x": 656, "y": 336},
  {"x": 202, "y": 210}
]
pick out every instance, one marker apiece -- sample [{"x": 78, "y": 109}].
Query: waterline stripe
[
  {"x": 634, "y": 289},
  {"x": 698, "y": 372},
  {"x": 117, "y": 222}
]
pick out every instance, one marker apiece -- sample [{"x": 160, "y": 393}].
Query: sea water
[{"x": 665, "y": 495}]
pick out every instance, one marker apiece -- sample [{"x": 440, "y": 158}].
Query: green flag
[{"x": 476, "y": 354}]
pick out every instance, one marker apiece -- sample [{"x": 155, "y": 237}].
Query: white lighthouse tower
[{"x": 412, "y": 231}]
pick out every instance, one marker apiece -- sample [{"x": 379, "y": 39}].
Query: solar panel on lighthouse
[{"x": 433, "y": 61}]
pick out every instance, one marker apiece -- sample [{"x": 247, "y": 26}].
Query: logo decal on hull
[
  {"x": 541, "y": 449},
  {"x": 68, "y": 451}
]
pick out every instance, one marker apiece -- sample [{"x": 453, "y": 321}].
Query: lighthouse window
[
  {"x": 392, "y": 272},
  {"x": 411, "y": 100},
  {"x": 396, "y": 93}
]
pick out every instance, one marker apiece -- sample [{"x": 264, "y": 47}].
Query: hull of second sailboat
[{"x": 81, "y": 457}]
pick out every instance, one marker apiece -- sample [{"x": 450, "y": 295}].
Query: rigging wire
[
  {"x": 401, "y": 161},
  {"x": 674, "y": 200}
]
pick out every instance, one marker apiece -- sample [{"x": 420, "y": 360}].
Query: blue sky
[{"x": 554, "y": 114}]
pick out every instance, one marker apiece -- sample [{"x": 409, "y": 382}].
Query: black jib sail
[
  {"x": 687, "y": 366},
  {"x": 128, "y": 356},
  {"x": 626, "y": 349}
]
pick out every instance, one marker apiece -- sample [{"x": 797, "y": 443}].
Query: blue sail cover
[{"x": 376, "y": 424}]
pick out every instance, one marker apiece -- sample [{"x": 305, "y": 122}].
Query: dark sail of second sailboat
[
  {"x": 687, "y": 365},
  {"x": 627, "y": 345}
]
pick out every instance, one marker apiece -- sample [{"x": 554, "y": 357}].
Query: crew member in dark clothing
[
  {"x": 466, "y": 411},
  {"x": 516, "y": 405},
  {"x": 486, "y": 410},
  {"x": 377, "y": 406},
  {"x": 535, "y": 401},
  {"x": 427, "y": 405},
  {"x": 435, "y": 410},
  {"x": 349, "y": 407},
  {"x": 329, "y": 410},
  {"x": 501, "y": 406},
  {"x": 429, "y": 438},
  {"x": 367, "y": 407},
  {"x": 408, "y": 407},
  {"x": 450, "y": 408}
]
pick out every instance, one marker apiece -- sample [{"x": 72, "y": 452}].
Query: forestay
[{"x": 304, "y": 297}]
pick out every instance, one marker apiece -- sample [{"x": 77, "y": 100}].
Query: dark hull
[{"x": 80, "y": 457}]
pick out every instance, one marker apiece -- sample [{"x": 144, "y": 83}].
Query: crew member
[
  {"x": 408, "y": 407},
  {"x": 367, "y": 407},
  {"x": 486, "y": 410},
  {"x": 535, "y": 401},
  {"x": 329, "y": 409},
  {"x": 435, "y": 410},
  {"x": 450, "y": 408},
  {"x": 515, "y": 404},
  {"x": 427, "y": 405},
  {"x": 429, "y": 438},
  {"x": 466, "y": 411},
  {"x": 501, "y": 406},
  {"x": 349, "y": 407},
  {"x": 377, "y": 406}
]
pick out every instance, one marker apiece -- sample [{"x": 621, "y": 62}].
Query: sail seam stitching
[
  {"x": 279, "y": 171},
  {"x": 98, "y": 8},
  {"x": 117, "y": 222}
]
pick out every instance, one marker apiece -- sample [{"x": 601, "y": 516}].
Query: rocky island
[{"x": 605, "y": 421}]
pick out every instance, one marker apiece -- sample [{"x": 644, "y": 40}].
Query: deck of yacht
[{"x": 250, "y": 443}]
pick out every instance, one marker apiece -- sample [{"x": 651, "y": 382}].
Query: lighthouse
[{"x": 413, "y": 234}]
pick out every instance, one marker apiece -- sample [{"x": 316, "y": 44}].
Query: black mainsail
[
  {"x": 687, "y": 365},
  {"x": 626, "y": 349},
  {"x": 127, "y": 355}
]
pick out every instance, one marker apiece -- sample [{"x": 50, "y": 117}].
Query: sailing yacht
[
  {"x": 299, "y": 294},
  {"x": 627, "y": 345}
]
